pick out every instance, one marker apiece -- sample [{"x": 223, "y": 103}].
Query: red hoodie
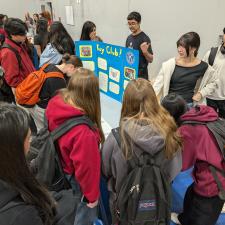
[
  {"x": 79, "y": 148},
  {"x": 200, "y": 149},
  {"x": 13, "y": 74}
]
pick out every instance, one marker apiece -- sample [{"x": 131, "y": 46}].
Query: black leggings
[
  {"x": 218, "y": 105},
  {"x": 199, "y": 210}
]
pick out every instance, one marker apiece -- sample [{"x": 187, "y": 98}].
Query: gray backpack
[{"x": 44, "y": 154}]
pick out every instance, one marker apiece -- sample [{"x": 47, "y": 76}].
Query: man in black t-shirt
[{"x": 140, "y": 41}]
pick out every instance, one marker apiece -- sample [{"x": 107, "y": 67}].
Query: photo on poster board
[{"x": 86, "y": 51}]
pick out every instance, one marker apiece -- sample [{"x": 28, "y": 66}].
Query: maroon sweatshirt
[
  {"x": 200, "y": 149},
  {"x": 13, "y": 74},
  {"x": 79, "y": 148}
]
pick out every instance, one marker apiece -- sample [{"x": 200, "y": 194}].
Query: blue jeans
[{"x": 84, "y": 214}]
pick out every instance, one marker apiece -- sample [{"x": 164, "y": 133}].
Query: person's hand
[
  {"x": 144, "y": 47},
  {"x": 93, "y": 36},
  {"x": 92, "y": 205},
  {"x": 197, "y": 97}
]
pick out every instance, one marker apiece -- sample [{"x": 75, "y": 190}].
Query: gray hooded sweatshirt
[{"x": 114, "y": 164}]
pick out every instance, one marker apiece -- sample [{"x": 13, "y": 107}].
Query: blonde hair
[
  {"x": 83, "y": 92},
  {"x": 141, "y": 107}
]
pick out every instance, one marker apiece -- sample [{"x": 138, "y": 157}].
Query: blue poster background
[{"x": 114, "y": 65}]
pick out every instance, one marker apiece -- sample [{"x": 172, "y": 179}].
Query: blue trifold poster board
[{"x": 114, "y": 65}]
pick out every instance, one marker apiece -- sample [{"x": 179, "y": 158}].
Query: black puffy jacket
[{"x": 14, "y": 211}]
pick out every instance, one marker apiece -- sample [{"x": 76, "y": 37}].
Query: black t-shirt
[
  {"x": 50, "y": 86},
  {"x": 135, "y": 41},
  {"x": 184, "y": 79},
  {"x": 40, "y": 39},
  {"x": 37, "y": 39}
]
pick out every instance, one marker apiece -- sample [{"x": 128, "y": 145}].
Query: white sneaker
[{"x": 174, "y": 218}]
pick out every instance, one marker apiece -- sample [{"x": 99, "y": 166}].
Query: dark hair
[
  {"x": 13, "y": 166},
  {"x": 42, "y": 30},
  {"x": 134, "y": 16},
  {"x": 1, "y": 20},
  {"x": 72, "y": 59},
  {"x": 224, "y": 30},
  {"x": 175, "y": 105},
  {"x": 37, "y": 15},
  {"x": 15, "y": 26},
  {"x": 2, "y": 39},
  {"x": 190, "y": 39},
  {"x": 87, "y": 28},
  {"x": 60, "y": 38}
]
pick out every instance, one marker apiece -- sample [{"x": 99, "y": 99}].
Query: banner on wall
[{"x": 114, "y": 65}]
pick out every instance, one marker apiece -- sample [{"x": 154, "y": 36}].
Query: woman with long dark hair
[
  {"x": 60, "y": 38},
  {"x": 88, "y": 32},
  {"x": 23, "y": 200},
  {"x": 59, "y": 43},
  {"x": 41, "y": 37}
]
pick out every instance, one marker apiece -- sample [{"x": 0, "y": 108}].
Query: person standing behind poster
[{"x": 140, "y": 41}]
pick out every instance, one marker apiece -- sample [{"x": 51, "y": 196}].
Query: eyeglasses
[{"x": 133, "y": 24}]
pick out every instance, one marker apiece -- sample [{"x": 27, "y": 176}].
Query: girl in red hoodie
[
  {"x": 79, "y": 148},
  {"x": 202, "y": 205}
]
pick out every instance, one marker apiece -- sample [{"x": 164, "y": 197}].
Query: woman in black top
[
  {"x": 88, "y": 32},
  {"x": 23, "y": 200},
  {"x": 41, "y": 38},
  {"x": 186, "y": 74}
]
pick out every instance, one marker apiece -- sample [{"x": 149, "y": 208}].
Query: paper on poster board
[
  {"x": 89, "y": 65},
  {"x": 103, "y": 81}
]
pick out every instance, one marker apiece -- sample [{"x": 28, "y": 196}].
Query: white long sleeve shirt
[{"x": 219, "y": 66}]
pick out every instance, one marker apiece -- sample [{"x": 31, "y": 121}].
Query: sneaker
[{"x": 174, "y": 218}]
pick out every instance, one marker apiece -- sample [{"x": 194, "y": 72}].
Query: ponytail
[{"x": 72, "y": 59}]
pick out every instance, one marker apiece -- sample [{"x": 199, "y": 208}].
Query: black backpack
[
  {"x": 217, "y": 128},
  {"x": 144, "y": 198},
  {"x": 6, "y": 94},
  {"x": 44, "y": 154},
  {"x": 212, "y": 55}
]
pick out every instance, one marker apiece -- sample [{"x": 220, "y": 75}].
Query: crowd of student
[{"x": 147, "y": 129}]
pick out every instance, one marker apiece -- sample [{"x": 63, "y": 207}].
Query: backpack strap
[
  {"x": 18, "y": 57},
  {"x": 193, "y": 123},
  {"x": 116, "y": 134},
  {"x": 134, "y": 161},
  {"x": 54, "y": 74},
  {"x": 69, "y": 124},
  {"x": 218, "y": 182},
  {"x": 44, "y": 67},
  {"x": 212, "y": 55}
]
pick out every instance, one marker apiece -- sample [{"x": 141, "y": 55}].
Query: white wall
[
  {"x": 163, "y": 20},
  {"x": 17, "y": 8}
]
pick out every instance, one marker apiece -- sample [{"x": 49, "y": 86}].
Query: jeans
[
  {"x": 38, "y": 115},
  {"x": 84, "y": 214}
]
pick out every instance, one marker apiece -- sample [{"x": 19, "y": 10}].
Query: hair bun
[{"x": 66, "y": 57}]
